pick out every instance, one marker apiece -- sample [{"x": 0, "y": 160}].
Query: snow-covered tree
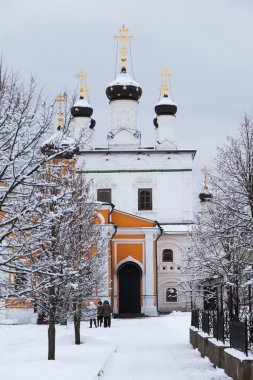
[
  {"x": 25, "y": 123},
  {"x": 222, "y": 236},
  {"x": 65, "y": 258},
  {"x": 89, "y": 242}
]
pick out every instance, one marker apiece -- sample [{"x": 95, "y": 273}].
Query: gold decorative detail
[
  {"x": 205, "y": 171},
  {"x": 165, "y": 74},
  {"x": 124, "y": 37},
  {"x": 60, "y": 99},
  {"x": 84, "y": 90}
]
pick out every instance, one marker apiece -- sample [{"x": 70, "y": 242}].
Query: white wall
[{"x": 172, "y": 190}]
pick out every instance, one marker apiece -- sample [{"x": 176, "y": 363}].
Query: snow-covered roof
[
  {"x": 82, "y": 103},
  {"x": 59, "y": 139},
  {"x": 166, "y": 100},
  {"x": 124, "y": 79}
]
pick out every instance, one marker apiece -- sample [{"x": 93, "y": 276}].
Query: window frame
[
  {"x": 109, "y": 190},
  {"x": 168, "y": 251},
  {"x": 166, "y": 300},
  {"x": 144, "y": 204}
]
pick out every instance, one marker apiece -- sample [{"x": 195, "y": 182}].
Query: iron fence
[
  {"x": 237, "y": 332},
  {"x": 239, "y": 335},
  {"x": 195, "y": 318},
  {"x": 218, "y": 326},
  {"x": 207, "y": 321}
]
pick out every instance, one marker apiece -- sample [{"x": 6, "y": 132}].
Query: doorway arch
[{"x": 129, "y": 275}]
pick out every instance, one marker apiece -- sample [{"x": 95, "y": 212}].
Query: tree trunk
[
  {"x": 51, "y": 339},
  {"x": 77, "y": 323}
]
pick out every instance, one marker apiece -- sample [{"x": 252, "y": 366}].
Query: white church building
[
  {"x": 153, "y": 184},
  {"x": 145, "y": 196}
]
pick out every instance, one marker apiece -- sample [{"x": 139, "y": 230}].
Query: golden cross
[
  {"x": 205, "y": 171},
  {"x": 84, "y": 90},
  {"x": 165, "y": 74},
  {"x": 60, "y": 99},
  {"x": 123, "y": 36}
]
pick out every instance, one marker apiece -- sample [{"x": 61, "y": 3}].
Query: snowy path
[
  {"x": 146, "y": 349},
  {"x": 155, "y": 348}
]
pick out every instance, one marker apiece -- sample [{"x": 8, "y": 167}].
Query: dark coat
[
  {"x": 106, "y": 309},
  {"x": 100, "y": 311}
]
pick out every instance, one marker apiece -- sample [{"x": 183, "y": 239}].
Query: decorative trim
[
  {"x": 144, "y": 151},
  {"x": 135, "y": 171},
  {"x": 130, "y": 259}
]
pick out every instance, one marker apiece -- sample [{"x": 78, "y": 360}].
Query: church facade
[
  {"x": 145, "y": 195},
  {"x": 148, "y": 185}
]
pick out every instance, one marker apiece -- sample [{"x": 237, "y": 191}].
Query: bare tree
[{"x": 222, "y": 236}]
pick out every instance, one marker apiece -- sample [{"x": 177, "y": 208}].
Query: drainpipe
[
  {"x": 158, "y": 237},
  {"x": 115, "y": 231}
]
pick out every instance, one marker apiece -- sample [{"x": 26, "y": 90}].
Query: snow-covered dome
[
  {"x": 58, "y": 142},
  {"x": 205, "y": 195},
  {"x": 166, "y": 106},
  {"x": 81, "y": 108},
  {"x": 123, "y": 87}
]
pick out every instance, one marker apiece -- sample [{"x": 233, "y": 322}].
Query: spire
[
  {"x": 59, "y": 142},
  {"x": 205, "y": 171},
  {"x": 165, "y": 74},
  {"x": 123, "y": 37},
  {"x": 123, "y": 86},
  {"x": 165, "y": 110},
  {"x": 205, "y": 195},
  {"x": 84, "y": 90},
  {"x": 60, "y": 99},
  {"x": 165, "y": 106},
  {"x": 123, "y": 94},
  {"x": 82, "y": 107}
]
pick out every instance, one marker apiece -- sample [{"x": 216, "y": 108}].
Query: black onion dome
[
  {"x": 165, "y": 106},
  {"x": 205, "y": 195},
  {"x": 81, "y": 108},
  {"x": 123, "y": 87}
]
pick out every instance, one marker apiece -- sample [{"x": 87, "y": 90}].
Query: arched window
[
  {"x": 171, "y": 295},
  {"x": 168, "y": 255}
]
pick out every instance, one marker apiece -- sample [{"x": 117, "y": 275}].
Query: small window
[
  {"x": 144, "y": 199},
  {"x": 104, "y": 195},
  {"x": 171, "y": 295},
  {"x": 20, "y": 280},
  {"x": 164, "y": 268},
  {"x": 168, "y": 255},
  {"x": 171, "y": 268}
]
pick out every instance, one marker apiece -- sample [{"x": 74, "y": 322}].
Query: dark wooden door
[{"x": 129, "y": 289}]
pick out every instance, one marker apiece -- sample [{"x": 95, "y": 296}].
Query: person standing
[
  {"x": 100, "y": 314},
  {"x": 92, "y": 313},
  {"x": 107, "y": 313}
]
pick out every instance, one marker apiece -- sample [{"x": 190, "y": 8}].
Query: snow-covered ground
[{"x": 150, "y": 348}]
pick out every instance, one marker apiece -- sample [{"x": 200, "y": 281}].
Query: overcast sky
[{"x": 207, "y": 46}]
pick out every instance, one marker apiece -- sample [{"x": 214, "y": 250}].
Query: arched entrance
[{"x": 129, "y": 288}]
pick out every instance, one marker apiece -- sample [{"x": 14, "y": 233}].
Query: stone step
[{"x": 129, "y": 315}]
